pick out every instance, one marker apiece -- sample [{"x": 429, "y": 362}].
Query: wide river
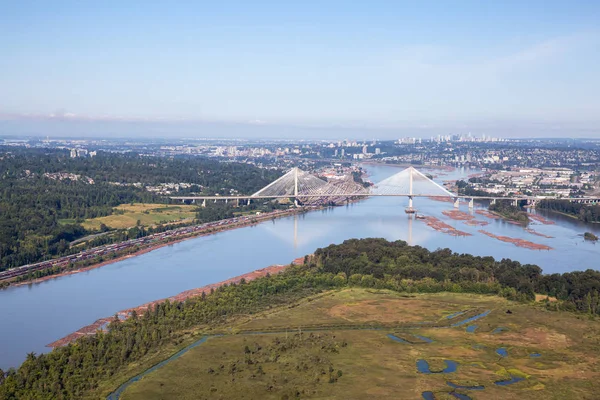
[{"x": 35, "y": 315}]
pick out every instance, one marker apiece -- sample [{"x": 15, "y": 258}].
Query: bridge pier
[
  {"x": 516, "y": 203},
  {"x": 204, "y": 203},
  {"x": 456, "y": 202},
  {"x": 493, "y": 201},
  {"x": 471, "y": 203}
]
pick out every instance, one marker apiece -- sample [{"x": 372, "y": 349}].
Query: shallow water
[
  {"x": 471, "y": 319},
  {"x": 423, "y": 338},
  {"x": 513, "y": 379},
  {"x": 502, "y": 352},
  {"x": 423, "y": 367},
  {"x": 428, "y": 395},
  {"x": 397, "y": 339}
]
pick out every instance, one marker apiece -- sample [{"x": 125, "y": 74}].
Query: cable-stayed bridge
[{"x": 305, "y": 188}]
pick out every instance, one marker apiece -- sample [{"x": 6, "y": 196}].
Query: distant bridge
[{"x": 411, "y": 183}]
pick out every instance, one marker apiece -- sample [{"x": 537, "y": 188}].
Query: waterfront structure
[{"x": 303, "y": 186}]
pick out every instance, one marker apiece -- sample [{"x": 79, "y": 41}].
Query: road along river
[{"x": 34, "y": 315}]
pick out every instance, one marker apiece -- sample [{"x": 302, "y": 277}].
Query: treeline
[
  {"x": 75, "y": 371},
  {"x": 583, "y": 212},
  {"x": 40, "y": 214},
  {"x": 397, "y": 262},
  {"x": 509, "y": 211}
]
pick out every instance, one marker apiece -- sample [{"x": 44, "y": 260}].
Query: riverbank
[
  {"x": 575, "y": 217},
  {"x": 541, "y": 219},
  {"x": 102, "y": 323},
  {"x": 227, "y": 224}
]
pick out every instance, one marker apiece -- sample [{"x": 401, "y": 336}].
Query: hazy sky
[{"x": 301, "y": 68}]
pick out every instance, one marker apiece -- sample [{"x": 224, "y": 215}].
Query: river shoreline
[
  {"x": 102, "y": 323},
  {"x": 262, "y": 218}
]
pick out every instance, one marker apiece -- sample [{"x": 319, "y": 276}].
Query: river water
[{"x": 35, "y": 315}]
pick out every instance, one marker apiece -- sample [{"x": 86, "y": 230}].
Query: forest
[
  {"x": 41, "y": 188},
  {"x": 509, "y": 211},
  {"x": 76, "y": 370},
  {"x": 583, "y": 212}
]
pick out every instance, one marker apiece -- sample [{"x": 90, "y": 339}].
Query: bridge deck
[{"x": 291, "y": 196}]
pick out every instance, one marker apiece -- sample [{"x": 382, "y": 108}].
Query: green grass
[
  {"x": 147, "y": 214},
  {"x": 302, "y": 363}
]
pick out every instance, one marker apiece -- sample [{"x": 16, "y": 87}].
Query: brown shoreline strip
[
  {"x": 538, "y": 233},
  {"x": 540, "y": 219},
  {"x": 443, "y": 227},
  {"x": 517, "y": 242},
  {"x": 468, "y": 219},
  {"x": 124, "y": 314}
]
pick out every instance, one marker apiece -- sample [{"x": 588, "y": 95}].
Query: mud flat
[
  {"x": 529, "y": 230},
  {"x": 463, "y": 216},
  {"x": 517, "y": 242},
  {"x": 443, "y": 227},
  {"x": 101, "y": 323},
  {"x": 540, "y": 219}
]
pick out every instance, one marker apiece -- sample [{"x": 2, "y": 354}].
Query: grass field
[
  {"x": 322, "y": 347},
  {"x": 147, "y": 214}
]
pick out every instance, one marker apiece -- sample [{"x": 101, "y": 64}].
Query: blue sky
[{"x": 326, "y": 68}]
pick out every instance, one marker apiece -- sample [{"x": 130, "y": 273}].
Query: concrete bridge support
[
  {"x": 204, "y": 203},
  {"x": 457, "y": 202},
  {"x": 493, "y": 201},
  {"x": 516, "y": 203},
  {"x": 471, "y": 203}
]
